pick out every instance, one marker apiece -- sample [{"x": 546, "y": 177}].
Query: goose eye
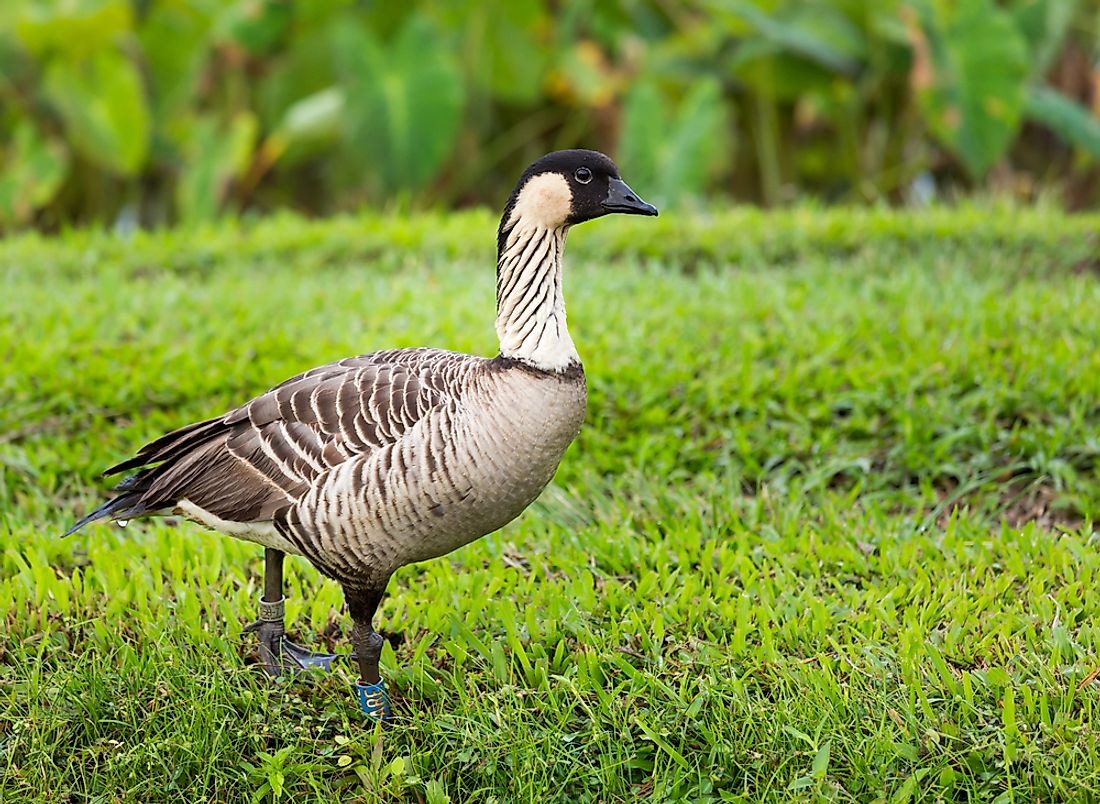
[{"x": 583, "y": 175}]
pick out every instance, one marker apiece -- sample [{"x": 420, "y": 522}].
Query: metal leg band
[{"x": 272, "y": 611}]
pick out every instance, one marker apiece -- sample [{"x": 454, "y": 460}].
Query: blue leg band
[{"x": 373, "y": 700}]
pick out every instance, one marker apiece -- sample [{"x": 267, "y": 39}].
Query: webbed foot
[{"x": 278, "y": 655}]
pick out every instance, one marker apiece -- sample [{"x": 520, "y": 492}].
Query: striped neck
[{"x": 530, "y": 306}]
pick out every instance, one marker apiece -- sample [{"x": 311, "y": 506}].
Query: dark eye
[{"x": 583, "y": 175}]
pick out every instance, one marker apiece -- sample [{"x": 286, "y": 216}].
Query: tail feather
[
  {"x": 132, "y": 494},
  {"x": 168, "y": 446},
  {"x": 125, "y": 504}
]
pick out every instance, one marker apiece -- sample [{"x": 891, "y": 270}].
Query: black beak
[{"x": 621, "y": 198}]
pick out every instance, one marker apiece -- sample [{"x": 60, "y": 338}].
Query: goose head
[{"x": 565, "y": 188}]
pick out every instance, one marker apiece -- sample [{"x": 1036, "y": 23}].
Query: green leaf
[
  {"x": 175, "y": 43},
  {"x": 306, "y": 67},
  {"x": 102, "y": 104},
  {"x": 801, "y": 783},
  {"x": 905, "y": 791},
  {"x": 397, "y": 766},
  {"x": 257, "y": 25},
  {"x": 77, "y": 28},
  {"x": 1044, "y": 24},
  {"x": 260, "y": 793},
  {"x": 801, "y": 735},
  {"x": 820, "y": 764},
  {"x": 644, "y": 118},
  {"x": 404, "y": 102},
  {"x": 215, "y": 154},
  {"x": 659, "y": 740},
  {"x": 970, "y": 70},
  {"x": 1011, "y": 728},
  {"x": 583, "y": 75},
  {"x": 798, "y": 52},
  {"x": 276, "y": 780},
  {"x": 1065, "y": 117},
  {"x": 31, "y": 172},
  {"x": 317, "y": 118},
  {"x": 824, "y": 36},
  {"x": 504, "y": 46},
  {"x": 671, "y": 150},
  {"x": 435, "y": 793}
]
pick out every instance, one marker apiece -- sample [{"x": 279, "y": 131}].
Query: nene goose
[{"x": 377, "y": 461}]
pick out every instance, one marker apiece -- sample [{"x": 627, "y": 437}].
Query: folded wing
[{"x": 255, "y": 461}]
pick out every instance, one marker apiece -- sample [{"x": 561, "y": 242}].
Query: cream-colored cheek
[{"x": 544, "y": 201}]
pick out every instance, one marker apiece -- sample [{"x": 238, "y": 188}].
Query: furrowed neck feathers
[{"x": 530, "y": 305}]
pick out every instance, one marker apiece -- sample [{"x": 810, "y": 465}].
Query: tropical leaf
[
  {"x": 306, "y": 67},
  {"x": 32, "y": 170},
  {"x": 216, "y": 154},
  {"x": 1065, "y": 117},
  {"x": 404, "y": 102},
  {"x": 969, "y": 73},
  {"x": 102, "y": 103},
  {"x": 1044, "y": 24},
  {"x": 823, "y": 35},
  {"x": 645, "y": 113},
  {"x": 795, "y": 50},
  {"x": 176, "y": 44},
  {"x": 76, "y": 28},
  {"x": 317, "y": 117},
  {"x": 339, "y": 101},
  {"x": 504, "y": 46},
  {"x": 673, "y": 150},
  {"x": 256, "y": 25},
  {"x": 311, "y": 124}
]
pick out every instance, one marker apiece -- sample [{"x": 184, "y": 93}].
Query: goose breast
[{"x": 466, "y": 468}]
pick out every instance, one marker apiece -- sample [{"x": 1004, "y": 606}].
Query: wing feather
[{"x": 259, "y": 459}]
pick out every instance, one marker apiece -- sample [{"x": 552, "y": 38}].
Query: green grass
[{"x": 827, "y": 532}]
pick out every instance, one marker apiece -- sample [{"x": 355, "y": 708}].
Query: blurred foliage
[{"x": 152, "y": 111}]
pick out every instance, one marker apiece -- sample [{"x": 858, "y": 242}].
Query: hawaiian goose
[{"x": 377, "y": 461}]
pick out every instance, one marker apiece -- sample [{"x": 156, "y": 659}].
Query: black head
[{"x": 565, "y": 188}]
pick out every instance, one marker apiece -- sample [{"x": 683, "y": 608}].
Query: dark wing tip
[
  {"x": 129, "y": 463},
  {"x": 114, "y": 506},
  {"x": 80, "y": 523},
  {"x": 94, "y": 515}
]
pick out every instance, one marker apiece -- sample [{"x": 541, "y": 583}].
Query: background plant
[{"x": 128, "y": 112}]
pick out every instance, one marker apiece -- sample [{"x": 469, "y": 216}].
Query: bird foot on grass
[{"x": 278, "y": 655}]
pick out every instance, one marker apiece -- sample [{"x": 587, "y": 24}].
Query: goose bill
[{"x": 620, "y": 198}]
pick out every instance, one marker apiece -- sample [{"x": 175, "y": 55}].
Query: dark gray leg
[
  {"x": 370, "y": 690},
  {"x": 278, "y": 654}
]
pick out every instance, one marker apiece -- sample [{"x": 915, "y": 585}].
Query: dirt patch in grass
[
  {"x": 1018, "y": 502},
  {"x": 1038, "y": 503}
]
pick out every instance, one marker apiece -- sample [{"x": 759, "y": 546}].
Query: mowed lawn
[{"x": 827, "y": 533}]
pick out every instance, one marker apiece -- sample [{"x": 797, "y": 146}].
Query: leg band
[
  {"x": 272, "y": 611},
  {"x": 373, "y": 700}
]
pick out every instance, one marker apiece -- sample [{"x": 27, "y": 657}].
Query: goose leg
[
  {"x": 370, "y": 689},
  {"x": 278, "y": 654}
]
